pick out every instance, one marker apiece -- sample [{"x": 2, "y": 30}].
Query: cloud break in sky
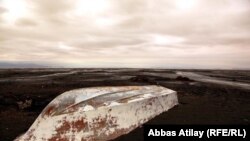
[{"x": 126, "y": 33}]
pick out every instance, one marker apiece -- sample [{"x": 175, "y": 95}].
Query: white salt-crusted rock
[{"x": 99, "y": 113}]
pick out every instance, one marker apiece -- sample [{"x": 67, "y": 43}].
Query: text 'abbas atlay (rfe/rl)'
[{"x": 195, "y": 132}]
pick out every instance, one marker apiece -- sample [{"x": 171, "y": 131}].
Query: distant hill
[{"x": 20, "y": 65}]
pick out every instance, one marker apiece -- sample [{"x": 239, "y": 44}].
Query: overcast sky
[{"x": 126, "y": 33}]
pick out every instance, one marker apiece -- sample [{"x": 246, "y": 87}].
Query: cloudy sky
[{"x": 126, "y": 33}]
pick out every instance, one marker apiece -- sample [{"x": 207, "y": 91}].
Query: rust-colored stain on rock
[
  {"x": 99, "y": 114},
  {"x": 49, "y": 110},
  {"x": 78, "y": 125}
]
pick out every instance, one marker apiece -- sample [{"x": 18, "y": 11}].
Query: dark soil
[{"x": 200, "y": 103}]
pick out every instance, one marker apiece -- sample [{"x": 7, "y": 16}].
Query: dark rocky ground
[{"x": 25, "y": 92}]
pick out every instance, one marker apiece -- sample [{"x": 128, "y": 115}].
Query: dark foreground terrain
[{"x": 205, "y": 96}]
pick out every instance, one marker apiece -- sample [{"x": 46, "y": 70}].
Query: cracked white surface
[{"x": 92, "y": 115}]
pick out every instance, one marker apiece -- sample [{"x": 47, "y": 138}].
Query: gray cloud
[{"x": 138, "y": 33}]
